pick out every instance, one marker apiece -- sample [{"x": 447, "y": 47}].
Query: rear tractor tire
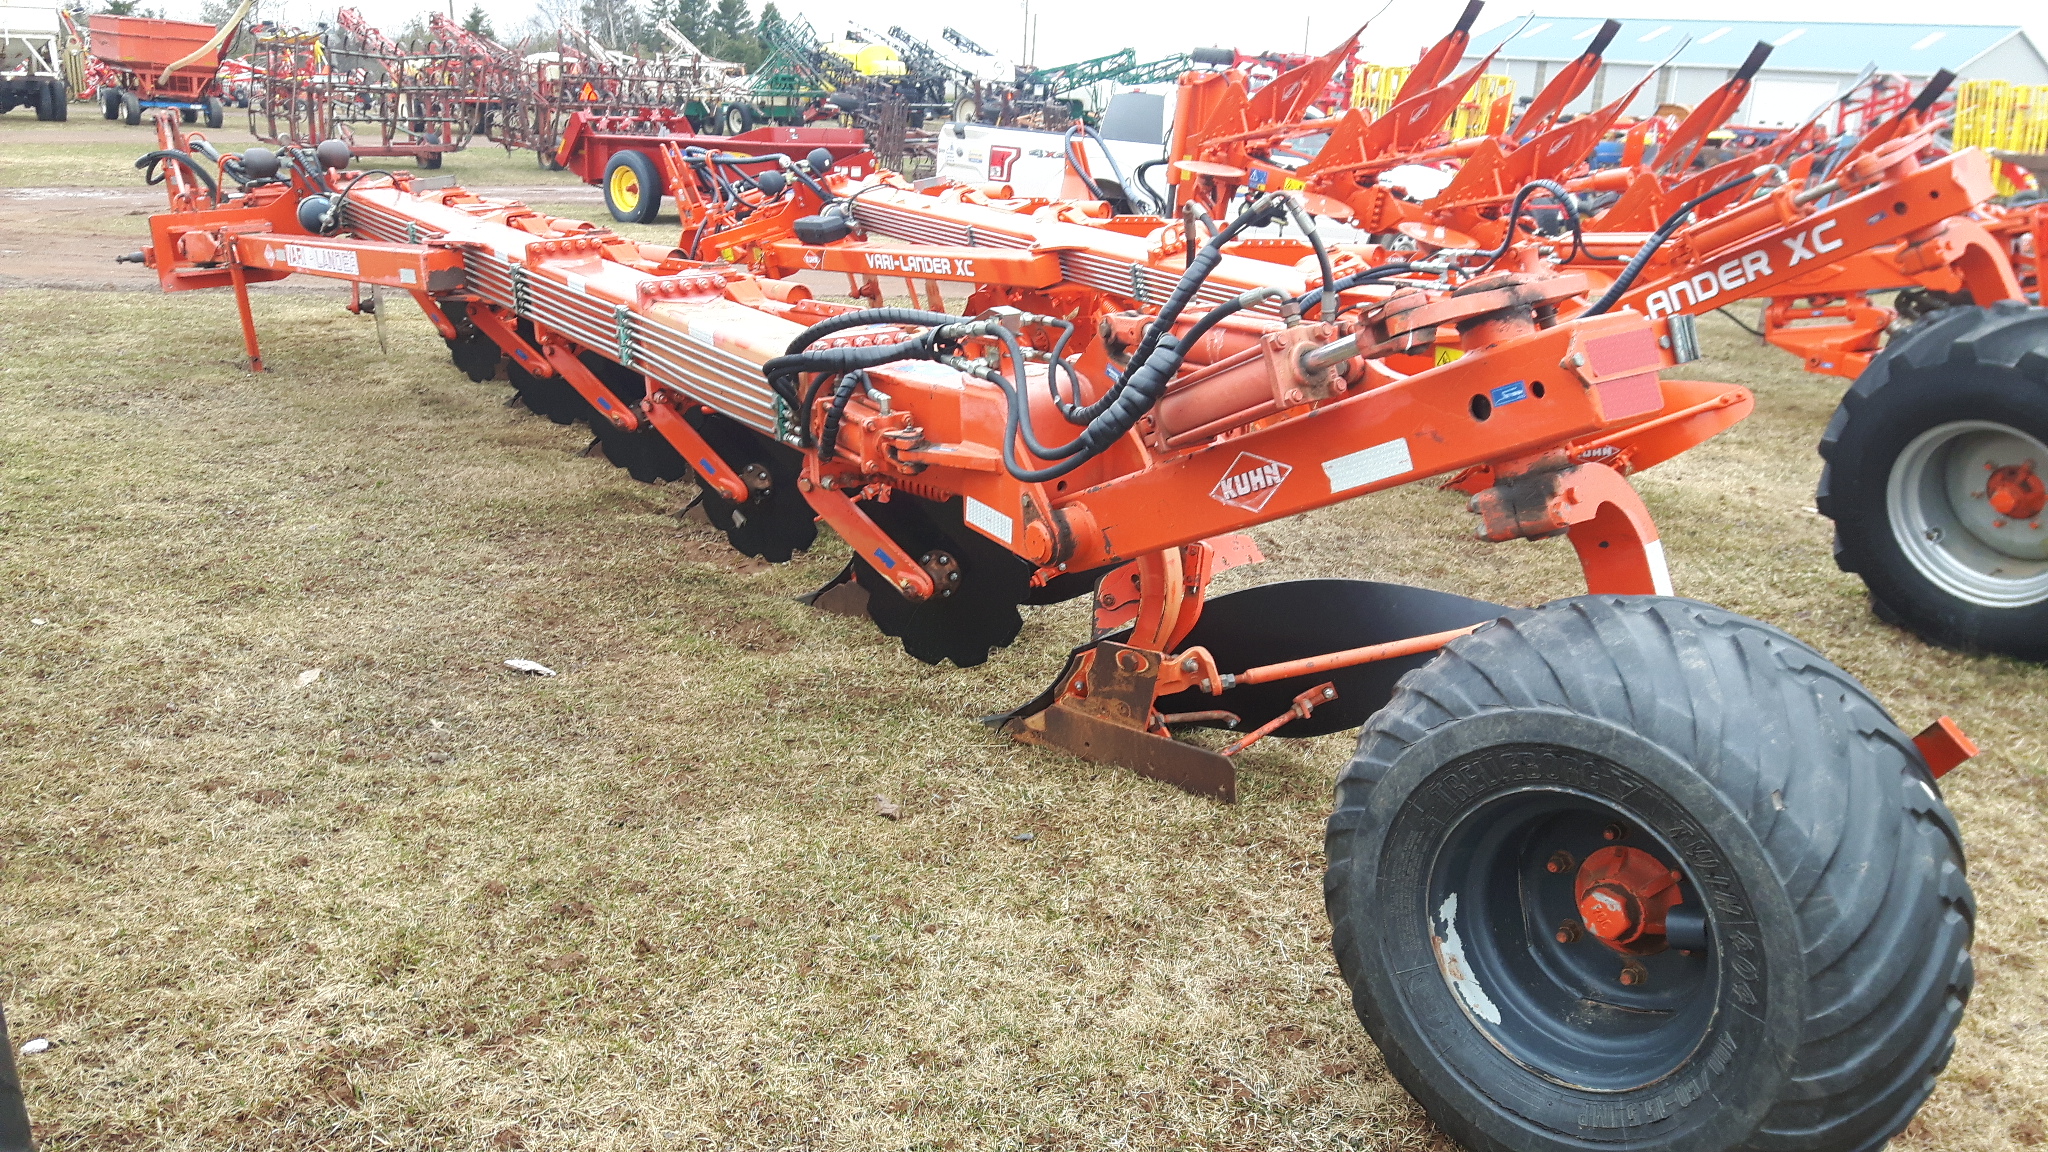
[
  {"x": 1634, "y": 872},
  {"x": 1937, "y": 480}
]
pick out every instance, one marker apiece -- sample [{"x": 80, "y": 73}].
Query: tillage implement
[{"x": 1621, "y": 871}]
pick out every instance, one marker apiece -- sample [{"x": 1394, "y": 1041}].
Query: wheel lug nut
[
  {"x": 1613, "y": 832},
  {"x": 1560, "y": 861},
  {"x": 1633, "y": 974},
  {"x": 1567, "y": 933}
]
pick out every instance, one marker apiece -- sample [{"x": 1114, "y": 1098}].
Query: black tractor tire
[
  {"x": 628, "y": 167},
  {"x": 1908, "y": 481},
  {"x": 131, "y": 108},
  {"x": 216, "y": 113},
  {"x": 1807, "y": 991},
  {"x": 736, "y": 118},
  {"x": 110, "y": 103},
  {"x": 188, "y": 115}
]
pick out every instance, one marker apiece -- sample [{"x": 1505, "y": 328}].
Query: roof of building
[{"x": 1799, "y": 46}]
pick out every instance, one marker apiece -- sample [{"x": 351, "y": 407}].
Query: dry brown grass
[{"x": 425, "y": 902}]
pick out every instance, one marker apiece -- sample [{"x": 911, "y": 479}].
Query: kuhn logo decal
[{"x": 1250, "y": 482}]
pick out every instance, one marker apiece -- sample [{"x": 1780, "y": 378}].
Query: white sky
[{"x": 1071, "y": 30}]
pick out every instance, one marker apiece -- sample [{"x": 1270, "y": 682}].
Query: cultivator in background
[
  {"x": 350, "y": 82},
  {"x": 1622, "y": 869}
]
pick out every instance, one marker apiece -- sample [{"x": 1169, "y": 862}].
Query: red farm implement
[
  {"x": 638, "y": 159},
  {"x": 1622, "y": 870},
  {"x": 159, "y": 64},
  {"x": 352, "y": 83}
]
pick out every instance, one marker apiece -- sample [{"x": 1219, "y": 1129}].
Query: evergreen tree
[
  {"x": 692, "y": 18},
  {"x": 478, "y": 22},
  {"x": 769, "y": 26},
  {"x": 731, "y": 24}
]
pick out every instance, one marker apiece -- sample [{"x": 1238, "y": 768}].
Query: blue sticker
[
  {"x": 1258, "y": 178},
  {"x": 884, "y": 558},
  {"x": 707, "y": 466},
  {"x": 1509, "y": 393}
]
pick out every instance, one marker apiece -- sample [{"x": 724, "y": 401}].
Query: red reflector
[
  {"x": 1622, "y": 353},
  {"x": 1944, "y": 746},
  {"x": 1629, "y": 396}
]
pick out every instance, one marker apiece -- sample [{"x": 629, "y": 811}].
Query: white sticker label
[
  {"x": 340, "y": 260},
  {"x": 407, "y": 276},
  {"x": 1660, "y": 574},
  {"x": 989, "y": 520},
  {"x": 1368, "y": 465}
]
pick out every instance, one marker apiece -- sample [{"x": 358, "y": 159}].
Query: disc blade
[{"x": 1292, "y": 619}]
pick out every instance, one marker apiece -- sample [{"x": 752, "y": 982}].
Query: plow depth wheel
[
  {"x": 1636, "y": 872},
  {"x": 1937, "y": 480}
]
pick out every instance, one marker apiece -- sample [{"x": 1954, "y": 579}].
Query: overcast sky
[{"x": 1071, "y": 30}]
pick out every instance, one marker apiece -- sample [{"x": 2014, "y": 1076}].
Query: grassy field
[{"x": 419, "y": 901}]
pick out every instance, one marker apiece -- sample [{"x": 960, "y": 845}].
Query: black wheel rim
[{"x": 1559, "y": 1008}]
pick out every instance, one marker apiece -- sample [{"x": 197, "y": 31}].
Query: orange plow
[{"x": 1121, "y": 400}]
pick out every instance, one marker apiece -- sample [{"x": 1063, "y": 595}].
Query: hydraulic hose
[
  {"x": 1315, "y": 241},
  {"x": 1663, "y": 233},
  {"x": 150, "y": 160},
  {"x": 1313, "y": 296},
  {"x": 1081, "y": 169}
]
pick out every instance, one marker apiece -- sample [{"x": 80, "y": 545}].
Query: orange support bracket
[
  {"x": 1596, "y": 506},
  {"x": 695, "y": 450},
  {"x": 867, "y": 539},
  {"x": 495, "y": 324},
  {"x": 579, "y": 376},
  {"x": 241, "y": 283}
]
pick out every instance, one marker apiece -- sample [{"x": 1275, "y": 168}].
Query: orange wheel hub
[
  {"x": 1623, "y": 896},
  {"x": 2016, "y": 490}
]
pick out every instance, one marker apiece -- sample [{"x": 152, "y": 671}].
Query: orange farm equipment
[
  {"x": 1950, "y": 535},
  {"x": 1624, "y": 870},
  {"x": 159, "y": 64}
]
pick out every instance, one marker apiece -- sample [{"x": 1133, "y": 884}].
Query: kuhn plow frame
[
  {"x": 1949, "y": 536},
  {"x": 1624, "y": 870}
]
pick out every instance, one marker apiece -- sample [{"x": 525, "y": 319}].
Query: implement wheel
[
  {"x": 1937, "y": 480},
  {"x": 632, "y": 188},
  {"x": 1637, "y": 872},
  {"x": 131, "y": 108}
]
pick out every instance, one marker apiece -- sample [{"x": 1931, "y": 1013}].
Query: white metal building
[{"x": 1809, "y": 62}]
